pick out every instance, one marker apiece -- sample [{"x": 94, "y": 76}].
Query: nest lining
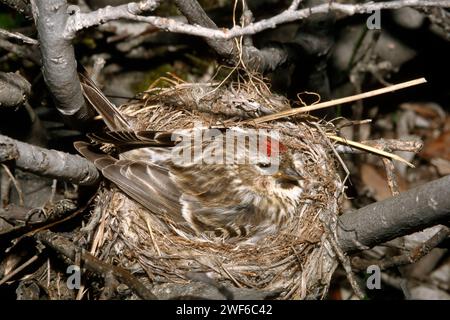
[{"x": 297, "y": 262}]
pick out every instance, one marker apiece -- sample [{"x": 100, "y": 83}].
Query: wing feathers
[
  {"x": 146, "y": 183},
  {"x": 111, "y": 115},
  {"x": 129, "y": 140}
]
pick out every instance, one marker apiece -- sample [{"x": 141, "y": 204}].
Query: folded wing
[{"x": 147, "y": 183}]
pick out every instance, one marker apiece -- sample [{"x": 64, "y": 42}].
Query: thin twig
[
  {"x": 396, "y": 145},
  {"x": 201, "y": 25},
  {"x": 411, "y": 257},
  {"x": 20, "y": 268},
  {"x": 370, "y": 149},
  {"x": 53, "y": 193},
  {"x": 294, "y": 5},
  {"x": 5, "y": 190},
  {"x": 19, "y": 36},
  {"x": 80, "y": 20},
  {"x": 15, "y": 182},
  {"x": 99, "y": 63},
  {"x": 68, "y": 249},
  {"x": 20, "y": 6},
  {"x": 345, "y": 262},
  {"x": 391, "y": 177},
  {"x": 22, "y": 51}
]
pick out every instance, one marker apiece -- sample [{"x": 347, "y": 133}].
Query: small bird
[{"x": 245, "y": 195}]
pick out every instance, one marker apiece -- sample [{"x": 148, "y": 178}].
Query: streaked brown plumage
[{"x": 241, "y": 199}]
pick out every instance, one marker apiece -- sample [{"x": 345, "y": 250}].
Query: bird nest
[{"x": 296, "y": 262}]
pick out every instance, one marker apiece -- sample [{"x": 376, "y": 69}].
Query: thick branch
[
  {"x": 195, "y": 14},
  {"x": 411, "y": 211},
  {"x": 58, "y": 59},
  {"x": 49, "y": 163}
]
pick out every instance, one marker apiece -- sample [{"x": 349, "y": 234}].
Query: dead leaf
[
  {"x": 442, "y": 166},
  {"x": 375, "y": 179},
  {"x": 437, "y": 148},
  {"x": 427, "y": 110}
]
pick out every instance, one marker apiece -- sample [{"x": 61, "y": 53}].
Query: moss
[
  {"x": 394, "y": 117},
  {"x": 167, "y": 8},
  {"x": 10, "y": 20},
  {"x": 214, "y": 4},
  {"x": 151, "y": 76},
  {"x": 89, "y": 42},
  {"x": 199, "y": 64}
]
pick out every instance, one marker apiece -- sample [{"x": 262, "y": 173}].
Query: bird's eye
[{"x": 263, "y": 164}]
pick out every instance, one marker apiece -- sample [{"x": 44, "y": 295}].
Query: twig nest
[{"x": 295, "y": 262}]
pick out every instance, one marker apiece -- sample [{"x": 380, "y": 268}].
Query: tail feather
[
  {"x": 129, "y": 140},
  {"x": 111, "y": 115},
  {"x": 101, "y": 160}
]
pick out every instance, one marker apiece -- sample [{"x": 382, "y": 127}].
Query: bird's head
[{"x": 251, "y": 162}]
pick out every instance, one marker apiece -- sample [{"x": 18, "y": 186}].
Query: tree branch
[
  {"x": 76, "y": 23},
  {"x": 411, "y": 211},
  {"x": 201, "y": 25},
  {"x": 195, "y": 14},
  {"x": 408, "y": 258},
  {"x": 78, "y": 20},
  {"x": 93, "y": 264},
  {"x": 14, "y": 89},
  {"x": 49, "y": 163},
  {"x": 58, "y": 59},
  {"x": 21, "y": 6},
  {"x": 18, "y": 36},
  {"x": 21, "y": 50},
  {"x": 266, "y": 59}
]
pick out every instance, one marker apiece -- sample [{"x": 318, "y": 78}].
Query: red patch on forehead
[{"x": 273, "y": 147}]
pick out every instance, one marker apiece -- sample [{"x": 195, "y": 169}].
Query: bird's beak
[{"x": 288, "y": 176}]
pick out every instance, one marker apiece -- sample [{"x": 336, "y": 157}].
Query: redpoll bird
[{"x": 239, "y": 193}]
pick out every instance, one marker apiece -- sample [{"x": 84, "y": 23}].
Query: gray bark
[
  {"x": 21, "y": 6},
  {"x": 58, "y": 59},
  {"x": 14, "y": 90},
  {"x": 266, "y": 59},
  {"x": 49, "y": 163},
  {"x": 195, "y": 14},
  {"x": 22, "y": 51},
  {"x": 411, "y": 211}
]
